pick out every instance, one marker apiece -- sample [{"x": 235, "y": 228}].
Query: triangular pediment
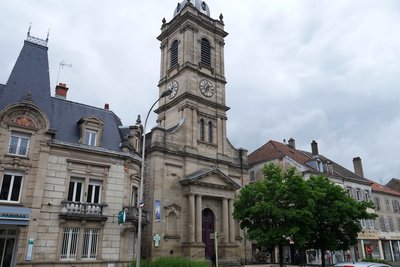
[
  {"x": 210, "y": 178},
  {"x": 91, "y": 119},
  {"x": 173, "y": 206}
]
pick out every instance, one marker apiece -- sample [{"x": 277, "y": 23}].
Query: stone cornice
[
  {"x": 200, "y": 20},
  {"x": 95, "y": 150},
  {"x": 188, "y": 66},
  {"x": 163, "y": 149},
  {"x": 195, "y": 98}
]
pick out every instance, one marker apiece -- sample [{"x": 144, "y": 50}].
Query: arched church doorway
[{"x": 208, "y": 229}]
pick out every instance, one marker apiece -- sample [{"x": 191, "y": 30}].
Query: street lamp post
[{"x": 141, "y": 203}]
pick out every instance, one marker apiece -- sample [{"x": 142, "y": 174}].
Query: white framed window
[
  {"x": 349, "y": 191},
  {"x": 80, "y": 187},
  {"x": 377, "y": 203},
  {"x": 252, "y": 177},
  {"x": 387, "y": 224},
  {"x": 94, "y": 191},
  {"x": 358, "y": 194},
  {"x": 387, "y": 202},
  {"x": 366, "y": 195},
  {"x": 362, "y": 222},
  {"x": 90, "y": 242},
  {"x": 69, "y": 244},
  {"x": 75, "y": 191},
  {"x": 73, "y": 240},
  {"x": 11, "y": 186},
  {"x": 19, "y": 144},
  {"x": 90, "y": 137}
]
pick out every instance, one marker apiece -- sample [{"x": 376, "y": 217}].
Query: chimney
[
  {"x": 314, "y": 148},
  {"x": 292, "y": 143},
  {"x": 329, "y": 167},
  {"x": 358, "y": 169},
  {"x": 106, "y": 106},
  {"x": 61, "y": 91}
]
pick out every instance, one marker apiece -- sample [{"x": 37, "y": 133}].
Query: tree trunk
[
  {"x": 323, "y": 264},
  {"x": 280, "y": 255}
]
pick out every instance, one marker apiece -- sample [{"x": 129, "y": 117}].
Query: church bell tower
[{"x": 193, "y": 172}]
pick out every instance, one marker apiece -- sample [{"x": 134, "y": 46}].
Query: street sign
[
  {"x": 121, "y": 217},
  {"x": 219, "y": 235}
]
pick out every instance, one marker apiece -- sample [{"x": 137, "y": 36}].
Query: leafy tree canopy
[
  {"x": 336, "y": 215},
  {"x": 276, "y": 209},
  {"x": 315, "y": 214}
]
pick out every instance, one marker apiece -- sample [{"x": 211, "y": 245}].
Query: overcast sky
[{"x": 312, "y": 70}]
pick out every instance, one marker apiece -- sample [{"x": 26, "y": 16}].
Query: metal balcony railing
[
  {"x": 132, "y": 215},
  {"x": 83, "y": 211}
]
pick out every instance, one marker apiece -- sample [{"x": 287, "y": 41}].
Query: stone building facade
[
  {"x": 193, "y": 172},
  {"x": 384, "y": 241},
  {"x": 314, "y": 163},
  {"x": 66, "y": 170}
]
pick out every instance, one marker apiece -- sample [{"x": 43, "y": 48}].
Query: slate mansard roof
[{"x": 30, "y": 77}]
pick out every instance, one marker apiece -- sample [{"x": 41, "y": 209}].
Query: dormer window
[
  {"x": 90, "y": 137},
  {"x": 19, "y": 144},
  {"x": 91, "y": 130}
]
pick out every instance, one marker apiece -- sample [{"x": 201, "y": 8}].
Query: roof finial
[
  {"x": 29, "y": 30},
  {"x": 138, "y": 120},
  {"x": 47, "y": 38},
  {"x": 28, "y": 97},
  {"x": 163, "y": 21}
]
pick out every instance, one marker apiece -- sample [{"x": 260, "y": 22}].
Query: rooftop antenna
[
  {"x": 62, "y": 65},
  {"x": 47, "y": 38},
  {"x": 29, "y": 30}
]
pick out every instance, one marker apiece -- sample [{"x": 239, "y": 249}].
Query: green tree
[
  {"x": 336, "y": 216},
  {"x": 276, "y": 209}
]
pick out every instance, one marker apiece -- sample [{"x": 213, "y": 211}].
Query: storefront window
[
  {"x": 386, "y": 250},
  {"x": 371, "y": 249}
]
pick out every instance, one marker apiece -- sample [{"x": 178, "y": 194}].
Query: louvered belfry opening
[
  {"x": 205, "y": 52},
  {"x": 174, "y": 54}
]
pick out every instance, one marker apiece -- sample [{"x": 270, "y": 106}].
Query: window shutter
[
  {"x": 382, "y": 224},
  {"x": 391, "y": 225}
]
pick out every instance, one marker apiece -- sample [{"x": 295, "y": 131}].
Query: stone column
[
  {"x": 363, "y": 256},
  {"x": 231, "y": 222},
  {"x": 391, "y": 249},
  {"x": 382, "y": 255},
  {"x": 225, "y": 220},
  {"x": 191, "y": 218},
  {"x": 198, "y": 219}
]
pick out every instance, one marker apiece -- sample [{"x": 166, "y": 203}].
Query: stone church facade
[
  {"x": 68, "y": 169},
  {"x": 193, "y": 172}
]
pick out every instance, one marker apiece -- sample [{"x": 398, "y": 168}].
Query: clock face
[
  {"x": 206, "y": 88},
  {"x": 173, "y": 86}
]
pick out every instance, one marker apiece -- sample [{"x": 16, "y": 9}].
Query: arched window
[
  {"x": 210, "y": 132},
  {"x": 201, "y": 130},
  {"x": 174, "y": 53},
  {"x": 205, "y": 52}
]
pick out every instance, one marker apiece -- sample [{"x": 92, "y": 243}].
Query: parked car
[{"x": 361, "y": 264}]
